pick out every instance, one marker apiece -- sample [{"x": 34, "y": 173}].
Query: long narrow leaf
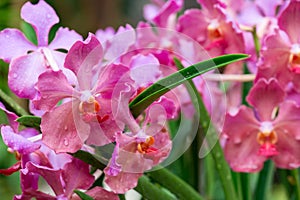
[
  {"x": 142, "y": 101},
  {"x": 210, "y": 136}
]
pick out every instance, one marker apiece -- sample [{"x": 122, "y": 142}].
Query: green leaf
[
  {"x": 142, "y": 101},
  {"x": 264, "y": 183},
  {"x": 83, "y": 196},
  {"x": 30, "y": 121}
]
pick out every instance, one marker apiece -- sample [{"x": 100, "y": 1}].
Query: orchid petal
[
  {"x": 42, "y": 17},
  {"x": 76, "y": 175},
  {"x": 62, "y": 133},
  {"x": 288, "y": 19},
  {"x": 24, "y": 72},
  {"x": 53, "y": 87},
  {"x": 241, "y": 148},
  {"x": 264, "y": 97},
  {"x": 144, "y": 69},
  {"x": 81, "y": 59},
  {"x": 52, "y": 176},
  {"x": 17, "y": 142},
  {"x": 14, "y": 44},
  {"x": 64, "y": 39}
]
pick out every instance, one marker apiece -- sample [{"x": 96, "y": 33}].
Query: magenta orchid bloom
[
  {"x": 281, "y": 50},
  {"x": 254, "y": 136},
  {"x": 27, "y": 60},
  {"x": 86, "y": 113},
  {"x": 35, "y": 160},
  {"x": 139, "y": 150}
]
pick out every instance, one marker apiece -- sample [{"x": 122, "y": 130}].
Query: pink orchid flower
[
  {"x": 268, "y": 131},
  {"x": 138, "y": 150},
  {"x": 85, "y": 114},
  {"x": 27, "y": 60}
]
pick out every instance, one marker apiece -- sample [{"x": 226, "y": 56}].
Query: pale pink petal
[
  {"x": 264, "y": 96},
  {"x": 52, "y": 176},
  {"x": 241, "y": 148},
  {"x": 24, "y": 72},
  {"x": 82, "y": 58},
  {"x": 122, "y": 182},
  {"x": 14, "y": 44},
  {"x": 288, "y": 21},
  {"x": 62, "y": 129},
  {"x": 17, "y": 142},
  {"x": 98, "y": 193},
  {"x": 144, "y": 70},
  {"x": 105, "y": 35},
  {"x": 42, "y": 17},
  {"x": 64, "y": 39},
  {"x": 193, "y": 24},
  {"x": 120, "y": 43},
  {"x": 53, "y": 87},
  {"x": 76, "y": 175}
]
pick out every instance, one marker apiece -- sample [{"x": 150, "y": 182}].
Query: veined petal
[
  {"x": 13, "y": 44},
  {"x": 82, "y": 58},
  {"x": 264, "y": 97},
  {"x": 61, "y": 128},
  {"x": 17, "y": 142},
  {"x": 64, "y": 39},
  {"x": 42, "y": 17},
  {"x": 53, "y": 87},
  {"x": 24, "y": 72}
]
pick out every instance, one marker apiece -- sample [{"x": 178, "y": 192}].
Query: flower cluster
[{"x": 81, "y": 89}]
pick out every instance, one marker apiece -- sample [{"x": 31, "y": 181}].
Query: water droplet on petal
[
  {"x": 48, "y": 16},
  {"x": 15, "y": 75},
  {"x": 66, "y": 142},
  {"x": 66, "y": 128}
]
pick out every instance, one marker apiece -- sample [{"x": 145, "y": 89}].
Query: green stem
[
  {"x": 256, "y": 42},
  {"x": 176, "y": 185},
  {"x": 11, "y": 104},
  {"x": 295, "y": 173},
  {"x": 150, "y": 191},
  {"x": 264, "y": 181},
  {"x": 210, "y": 176},
  {"x": 245, "y": 184},
  {"x": 211, "y": 139}
]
